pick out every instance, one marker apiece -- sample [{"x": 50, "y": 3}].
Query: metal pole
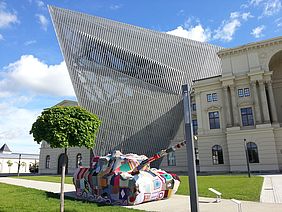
[
  {"x": 19, "y": 164},
  {"x": 247, "y": 158},
  {"x": 194, "y": 202}
]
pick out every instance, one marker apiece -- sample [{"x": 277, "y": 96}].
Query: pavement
[
  {"x": 177, "y": 203},
  {"x": 271, "y": 191}
]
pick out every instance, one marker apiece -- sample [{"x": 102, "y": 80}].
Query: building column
[
  {"x": 256, "y": 102},
  {"x": 272, "y": 102},
  {"x": 199, "y": 112},
  {"x": 227, "y": 107},
  {"x": 263, "y": 99},
  {"x": 234, "y": 105}
]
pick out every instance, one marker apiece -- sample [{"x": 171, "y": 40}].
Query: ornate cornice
[{"x": 260, "y": 44}]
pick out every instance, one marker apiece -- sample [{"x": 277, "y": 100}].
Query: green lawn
[
  {"x": 231, "y": 186},
  {"x": 49, "y": 178},
  {"x": 21, "y": 199}
]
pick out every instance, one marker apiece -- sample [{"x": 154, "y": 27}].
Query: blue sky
[{"x": 33, "y": 75}]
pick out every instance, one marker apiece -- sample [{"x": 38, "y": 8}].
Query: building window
[
  {"x": 197, "y": 159},
  {"x": 209, "y": 97},
  {"x": 217, "y": 155},
  {"x": 247, "y": 116},
  {"x": 252, "y": 152},
  {"x": 195, "y": 126},
  {"x": 171, "y": 161},
  {"x": 194, "y": 107},
  {"x": 240, "y": 92},
  {"x": 47, "y": 162},
  {"x": 214, "y": 120},
  {"x": 246, "y": 91},
  {"x": 78, "y": 160},
  {"x": 214, "y": 97}
]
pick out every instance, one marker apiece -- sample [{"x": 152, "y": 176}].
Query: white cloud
[
  {"x": 227, "y": 30},
  {"x": 256, "y": 2},
  {"x": 15, "y": 124},
  {"x": 271, "y": 7},
  {"x": 40, "y": 4},
  {"x": 31, "y": 75},
  {"x": 257, "y": 32},
  {"x": 228, "y": 27},
  {"x": 115, "y": 6},
  {"x": 29, "y": 42},
  {"x": 278, "y": 22},
  {"x": 43, "y": 21},
  {"x": 197, "y": 33},
  {"x": 1, "y": 37},
  {"x": 6, "y": 18}
]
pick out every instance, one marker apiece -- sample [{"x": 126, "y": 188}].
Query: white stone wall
[
  {"x": 4, "y": 168},
  {"x": 54, "y": 157}
]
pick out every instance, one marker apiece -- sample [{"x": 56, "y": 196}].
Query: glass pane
[
  {"x": 247, "y": 92},
  {"x": 240, "y": 93}
]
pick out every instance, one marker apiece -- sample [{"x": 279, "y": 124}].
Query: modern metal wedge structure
[{"x": 131, "y": 78}]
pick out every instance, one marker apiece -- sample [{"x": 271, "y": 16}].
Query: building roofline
[
  {"x": 253, "y": 45},
  {"x": 201, "y": 79}
]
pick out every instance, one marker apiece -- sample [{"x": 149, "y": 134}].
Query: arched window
[
  {"x": 253, "y": 152},
  {"x": 78, "y": 160},
  {"x": 217, "y": 155},
  {"x": 47, "y": 162}
]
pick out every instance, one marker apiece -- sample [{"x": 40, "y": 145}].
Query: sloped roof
[{"x": 5, "y": 148}]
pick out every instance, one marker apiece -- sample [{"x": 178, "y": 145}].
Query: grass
[
  {"x": 47, "y": 178},
  {"x": 16, "y": 198},
  {"x": 231, "y": 186}
]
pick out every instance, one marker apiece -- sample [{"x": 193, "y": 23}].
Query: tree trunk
[{"x": 62, "y": 182}]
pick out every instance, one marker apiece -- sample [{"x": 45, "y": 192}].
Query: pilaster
[
  {"x": 256, "y": 102},
  {"x": 263, "y": 99}
]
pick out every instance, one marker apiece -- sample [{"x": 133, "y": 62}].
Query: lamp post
[
  {"x": 194, "y": 202},
  {"x": 247, "y": 157},
  {"x": 19, "y": 164}
]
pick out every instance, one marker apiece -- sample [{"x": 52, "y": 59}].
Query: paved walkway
[
  {"x": 272, "y": 189},
  {"x": 177, "y": 203}
]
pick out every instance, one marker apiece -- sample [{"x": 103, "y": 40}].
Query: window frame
[
  {"x": 253, "y": 153},
  {"x": 247, "y": 117},
  {"x": 240, "y": 92},
  {"x": 247, "y": 92},
  {"x": 209, "y": 97},
  {"x": 195, "y": 126},
  {"x": 212, "y": 120},
  {"x": 214, "y": 97},
  {"x": 217, "y": 155},
  {"x": 193, "y": 107},
  {"x": 47, "y": 162}
]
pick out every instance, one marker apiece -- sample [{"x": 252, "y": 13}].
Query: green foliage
[
  {"x": 64, "y": 127},
  {"x": 10, "y": 163},
  {"x": 231, "y": 186}
]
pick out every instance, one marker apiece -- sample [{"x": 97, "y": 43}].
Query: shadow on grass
[{"x": 72, "y": 196}]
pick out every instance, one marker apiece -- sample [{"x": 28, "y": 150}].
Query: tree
[
  {"x": 23, "y": 164},
  {"x": 64, "y": 127},
  {"x": 33, "y": 167},
  {"x": 10, "y": 163}
]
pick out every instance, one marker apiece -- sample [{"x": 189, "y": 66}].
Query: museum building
[{"x": 131, "y": 78}]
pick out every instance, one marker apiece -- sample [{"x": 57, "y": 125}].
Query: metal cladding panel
[{"x": 131, "y": 77}]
